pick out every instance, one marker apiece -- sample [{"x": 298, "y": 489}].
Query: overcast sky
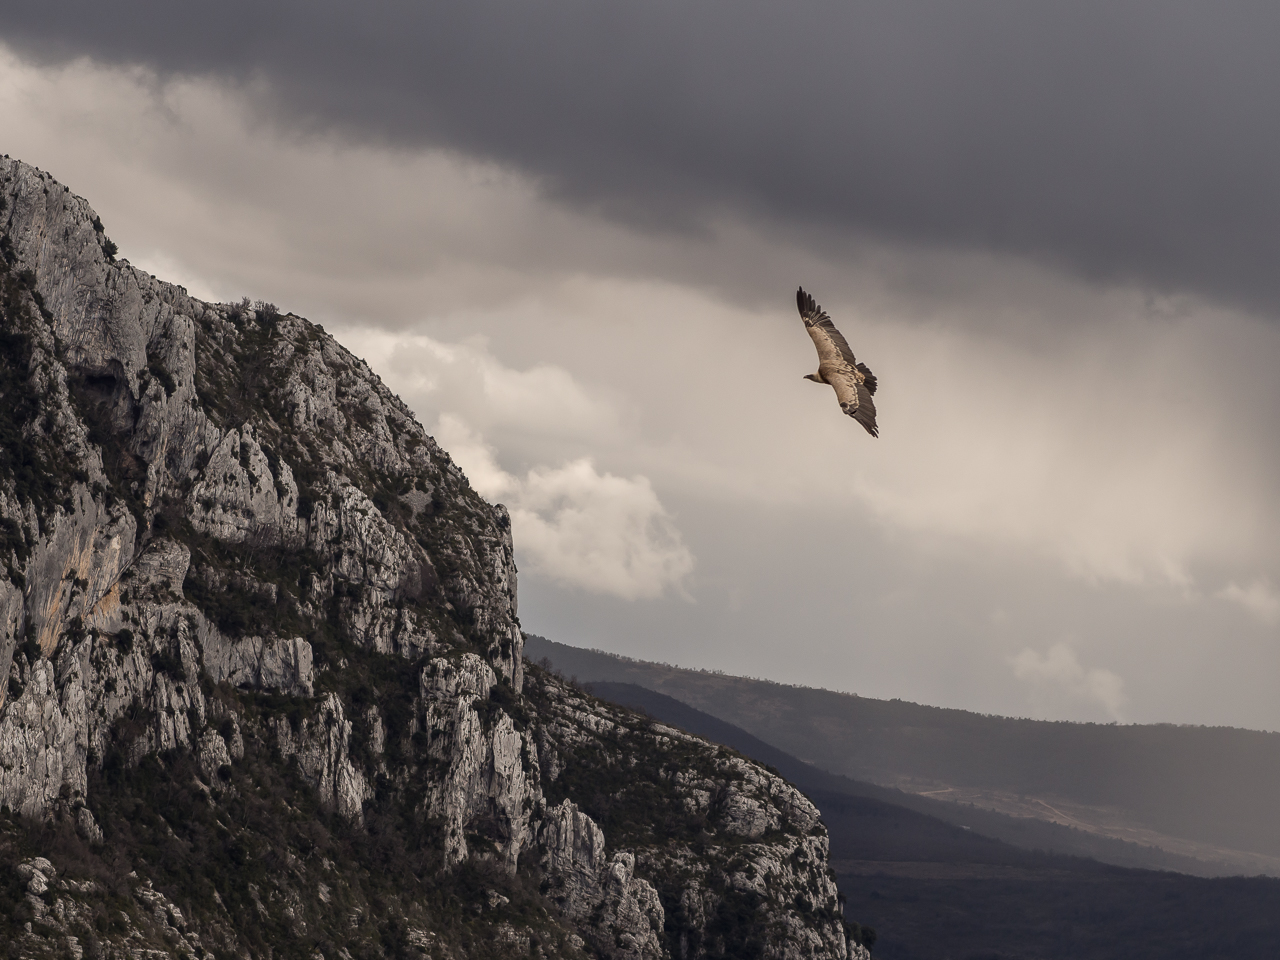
[{"x": 569, "y": 235}]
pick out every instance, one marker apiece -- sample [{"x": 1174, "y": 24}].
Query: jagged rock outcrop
[
  {"x": 490, "y": 772},
  {"x": 253, "y": 619},
  {"x": 711, "y": 844},
  {"x": 600, "y": 891},
  {"x": 43, "y": 741}
]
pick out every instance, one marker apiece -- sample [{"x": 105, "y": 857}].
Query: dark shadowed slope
[{"x": 933, "y": 888}]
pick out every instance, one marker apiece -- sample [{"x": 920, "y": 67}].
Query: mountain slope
[
  {"x": 1198, "y": 792},
  {"x": 944, "y": 831},
  {"x": 266, "y": 694}
]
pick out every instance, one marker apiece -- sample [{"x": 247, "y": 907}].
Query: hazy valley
[{"x": 945, "y": 879}]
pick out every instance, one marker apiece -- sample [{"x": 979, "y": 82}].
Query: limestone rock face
[
  {"x": 623, "y": 913},
  {"x": 253, "y": 617},
  {"x": 214, "y": 757},
  {"x": 703, "y": 835},
  {"x": 489, "y": 768},
  {"x": 272, "y": 664},
  {"x": 322, "y": 749},
  {"x": 43, "y": 741}
]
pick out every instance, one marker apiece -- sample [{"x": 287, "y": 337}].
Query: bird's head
[{"x": 813, "y": 377}]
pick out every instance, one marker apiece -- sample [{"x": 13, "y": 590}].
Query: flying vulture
[{"x": 853, "y": 382}]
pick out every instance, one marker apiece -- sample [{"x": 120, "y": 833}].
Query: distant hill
[
  {"x": 941, "y": 831},
  {"x": 931, "y": 887},
  {"x": 1209, "y": 793}
]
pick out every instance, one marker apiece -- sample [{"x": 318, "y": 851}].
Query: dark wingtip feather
[
  {"x": 806, "y": 304},
  {"x": 871, "y": 382}
]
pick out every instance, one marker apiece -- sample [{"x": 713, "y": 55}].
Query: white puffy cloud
[
  {"x": 1060, "y": 672},
  {"x": 466, "y": 378},
  {"x": 1259, "y": 598},
  {"x": 477, "y": 459},
  {"x": 575, "y": 526},
  {"x": 599, "y": 532}
]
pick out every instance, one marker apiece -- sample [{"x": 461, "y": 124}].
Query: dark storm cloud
[{"x": 1132, "y": 141}]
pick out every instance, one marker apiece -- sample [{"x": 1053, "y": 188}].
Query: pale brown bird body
[{"x": 852, "y": 381}]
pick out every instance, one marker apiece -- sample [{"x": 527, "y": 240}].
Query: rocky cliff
[{"x": 264, "y": 687}]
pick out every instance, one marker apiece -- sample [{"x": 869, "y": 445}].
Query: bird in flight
[{"x": 853, "y": 382}]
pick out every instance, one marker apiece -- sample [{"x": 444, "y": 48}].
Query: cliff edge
[{"x": 264, "y": 687}]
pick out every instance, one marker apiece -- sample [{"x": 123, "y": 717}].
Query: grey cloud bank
[
  {"x": 1125, "y": 141},
  {"x": 1074, "y": 476}
]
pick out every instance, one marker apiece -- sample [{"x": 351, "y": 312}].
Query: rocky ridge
[{"x": 265, "y": 692}]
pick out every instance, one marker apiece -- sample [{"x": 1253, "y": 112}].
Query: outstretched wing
[
  {"x": 831, "y": 344},
  {"x": 854, "y": 382},
  {"x": 855, "y": 399}
]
